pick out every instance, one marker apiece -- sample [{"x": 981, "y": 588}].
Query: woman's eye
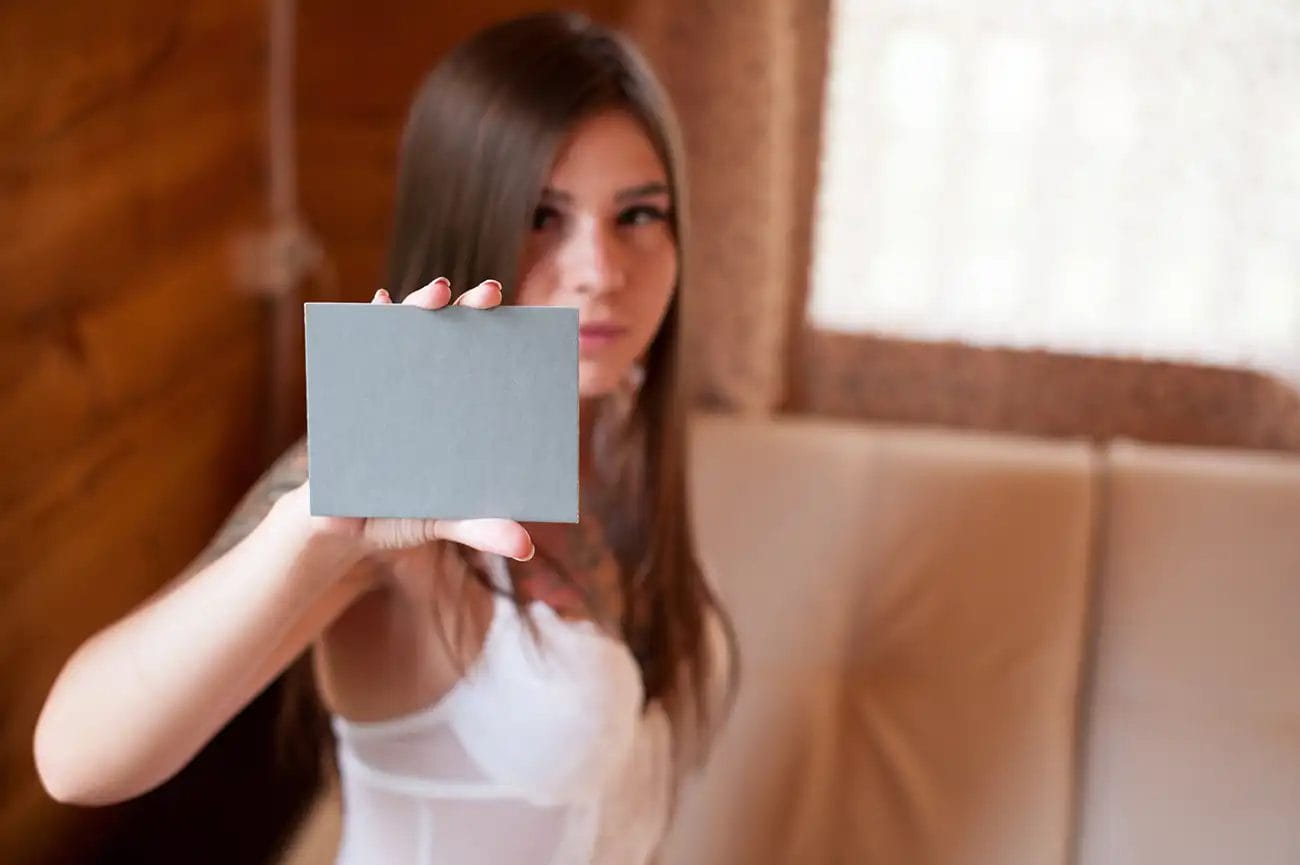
[
  {"x": 543, "y": 217},
  {"x": 642, "y": 214}
]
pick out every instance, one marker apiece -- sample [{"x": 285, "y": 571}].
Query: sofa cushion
[
  {"x": 910, "y": 606},
  {"x": 1193, "y": 745}
]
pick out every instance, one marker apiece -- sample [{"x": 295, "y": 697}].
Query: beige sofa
[{"x": 984, "y": 650}]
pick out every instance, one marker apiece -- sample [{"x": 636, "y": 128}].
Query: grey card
[{"x": 449, "y": 413}]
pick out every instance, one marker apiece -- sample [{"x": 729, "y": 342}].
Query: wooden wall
[{"x": 129, "y": 369}]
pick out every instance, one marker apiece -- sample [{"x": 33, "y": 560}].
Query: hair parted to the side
[{"x": 482, "y": 133}]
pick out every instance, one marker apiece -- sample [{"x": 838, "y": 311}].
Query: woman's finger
[
  {"x": 393, "y": 533},
  {"x": 485, "y": 295},
  {"x": 433, "y": 296},
  {"x": 381, "y": 296},
  {"x": 504, "y": 537}
]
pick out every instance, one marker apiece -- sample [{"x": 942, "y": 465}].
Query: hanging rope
[{"x": 276, "y": 262}]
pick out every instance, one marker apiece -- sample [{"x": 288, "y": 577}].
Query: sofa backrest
[
  {"x": 910, "y": 607},
  {"x": 1193, "y": 730}
]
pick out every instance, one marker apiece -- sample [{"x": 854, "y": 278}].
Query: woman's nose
[{"x": 593, "y": 262}]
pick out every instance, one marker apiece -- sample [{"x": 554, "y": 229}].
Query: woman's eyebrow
[{"x": 657, "y": 187}]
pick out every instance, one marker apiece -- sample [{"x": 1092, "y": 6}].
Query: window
[{"x": 1111, "y": 177}]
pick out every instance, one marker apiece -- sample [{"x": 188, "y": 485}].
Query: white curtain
[{"x": 1112, "y": 177}]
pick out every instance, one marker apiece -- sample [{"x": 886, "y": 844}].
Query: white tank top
[{"x": 540, "y": 755}]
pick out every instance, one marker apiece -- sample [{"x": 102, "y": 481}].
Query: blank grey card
[{"x": 453, "y": 412}]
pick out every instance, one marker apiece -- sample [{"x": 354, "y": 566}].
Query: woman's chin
[
  {"x": 597, "y": 380},
  {"x": 593, "y": 391}
]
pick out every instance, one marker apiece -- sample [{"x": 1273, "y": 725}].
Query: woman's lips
[{"x": 596, "y": 336}]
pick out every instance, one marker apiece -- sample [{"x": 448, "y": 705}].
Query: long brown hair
[{"x": 482, "y": 133}]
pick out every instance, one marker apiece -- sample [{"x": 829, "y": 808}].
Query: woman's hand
[{"x": 378, "y": 535}]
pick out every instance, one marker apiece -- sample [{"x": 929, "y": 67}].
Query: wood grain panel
[
  {"x": 106, "y": 359},
  {"x": 69, "y": 66},
  {"x": 112, "y": 540},
  {"x": 130, "y": 371},
  {"x": 100, "y": 170},
  {"x": 87, "y": 217}
]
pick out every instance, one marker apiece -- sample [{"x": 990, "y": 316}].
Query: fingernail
[
  {"x": 434, "y": 283},
  {"x": 383, "y": 292},
  {"x": 532, "y": 551}
]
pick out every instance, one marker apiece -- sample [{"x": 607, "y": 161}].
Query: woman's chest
[{"x": 551, "y": 707}]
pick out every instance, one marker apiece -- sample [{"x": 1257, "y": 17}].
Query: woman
[{"x": 500, "y": 692}]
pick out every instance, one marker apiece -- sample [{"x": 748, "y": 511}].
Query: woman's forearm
[{"x": 138, "y": 700}]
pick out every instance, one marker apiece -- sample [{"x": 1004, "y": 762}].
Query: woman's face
[{"x": 602, "y": 241}]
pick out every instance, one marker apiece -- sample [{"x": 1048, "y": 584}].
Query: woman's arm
[{"x": 139, "y": 699}]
